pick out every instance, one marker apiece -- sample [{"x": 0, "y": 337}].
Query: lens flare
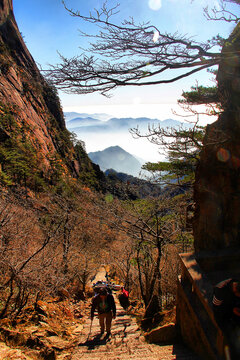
[
  {"x": 155, "y": 36},
  {"x": 223, "y": 155},
  {"x": 235, "y": 162}
]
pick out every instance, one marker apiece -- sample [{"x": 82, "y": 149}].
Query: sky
[{"x": 48, "y": 29}]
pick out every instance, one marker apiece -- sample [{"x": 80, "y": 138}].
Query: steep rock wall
[
  {"x": 217, "y": 186},
  {"x": 23, "y": 88},
  {"x": 34, "y": 105}
]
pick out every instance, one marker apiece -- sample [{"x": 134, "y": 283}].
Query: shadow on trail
[
  {"x": 182, "y": 351},
  {"x": 95, "y": 342}
]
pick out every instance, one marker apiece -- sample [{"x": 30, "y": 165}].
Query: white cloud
[{"x": 155, "y": 4}]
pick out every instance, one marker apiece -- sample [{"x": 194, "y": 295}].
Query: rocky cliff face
[
  {"x": 31, "y": 117},
  {"x": 22, "y": 86},
  {"x": 217, "y": 188}
]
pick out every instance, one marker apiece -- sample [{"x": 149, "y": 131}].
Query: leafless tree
[
  {"x": 122, "y": 254},
  {"x": 151, "y": 224},
  {"x": 139, "y": 55},
  {"x": 46, "y": 244},
  {"x": 23, "y": 260}
]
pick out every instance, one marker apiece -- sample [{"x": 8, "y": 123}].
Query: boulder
[
  {"x": 57, "y": 342},
  {"x": 78, "y": 329},
  {"x": 163, "y": 334}
]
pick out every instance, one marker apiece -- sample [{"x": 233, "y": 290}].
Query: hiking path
[{"x": 126, "y": 340}]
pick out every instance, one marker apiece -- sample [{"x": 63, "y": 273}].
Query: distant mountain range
[
  {"x": 85, "y": 123},
  {"x": 99, "y": 131},
  {"x": 73, "y": 115},
  {"x": 114, "y": 157}
]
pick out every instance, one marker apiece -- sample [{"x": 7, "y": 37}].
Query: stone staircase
[{"x": 126, "y": 342}]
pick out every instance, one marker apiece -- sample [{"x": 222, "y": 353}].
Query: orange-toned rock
[
  {"x": 12, "y": 354},
  {"x": 163, "y": 334},
  {"x": 13, "y": 337},
  {"x": 57, "y": 342},
  {"x": 34, "y": 106},
  {"x": 41, "y": 308}
]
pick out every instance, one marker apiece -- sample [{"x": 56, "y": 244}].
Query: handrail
[{"x": 194, "y": 278}]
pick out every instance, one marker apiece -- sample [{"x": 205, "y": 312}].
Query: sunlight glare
[
  {"x": 217, "y": 5},
  {"x": 155, "y": 4},
  {"x": 155, "y": 36},
  {"x": 136, "y": 100}
]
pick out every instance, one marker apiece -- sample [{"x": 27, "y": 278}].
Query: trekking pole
[
  {"x": 90, "y": 330},
  {"x": 227, "y": 353}
]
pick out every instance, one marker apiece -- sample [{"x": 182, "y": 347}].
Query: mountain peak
[
  {"x": 116, "y": 148},
  {"x": 116, "y": 158}
]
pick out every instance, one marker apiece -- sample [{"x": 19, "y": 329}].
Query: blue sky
[{"x": 47, "y": 28}]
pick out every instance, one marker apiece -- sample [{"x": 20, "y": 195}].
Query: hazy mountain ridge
[
  {"x": 86, "y": 121},
  {"x": 99, "y": 116},
  {"x": 89, "y": 123},
  {"x": 94, "y": 132},
  {"x": 116, "y": 158}
]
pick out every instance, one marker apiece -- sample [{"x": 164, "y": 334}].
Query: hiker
[
  {"x": 226, "y": 307},
  {"x": 106, "y": 308},
  {"x": 124, "y": 298},
  {"x": 125, "y": 292}
]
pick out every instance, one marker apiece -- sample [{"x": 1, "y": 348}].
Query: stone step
[
  {"x": 114, "y": 356},
  {"x": 126, "y": 343},
  {"x": 163, "y": 353}
]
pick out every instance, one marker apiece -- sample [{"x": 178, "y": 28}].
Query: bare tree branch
[
  {"x": 130, "y": 54},
  {"x": 221, "y": 13}
]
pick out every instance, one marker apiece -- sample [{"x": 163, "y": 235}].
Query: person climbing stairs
[{"x": 126, "y": 343}]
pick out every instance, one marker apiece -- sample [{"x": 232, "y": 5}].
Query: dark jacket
[
  {"x": 224, "y": 300},
  {"x": 101, "y": 307}
]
